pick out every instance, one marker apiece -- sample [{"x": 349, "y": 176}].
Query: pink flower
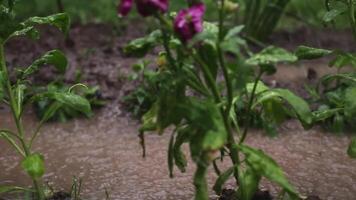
[
  {"x": 144, "y": 7},
  {"x": 189, "y": 22},
  {"x": 150, "y": 7},
  {"x": 124, "y": 7}
]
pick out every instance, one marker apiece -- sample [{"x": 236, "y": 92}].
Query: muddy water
[{"x": 105, "y": 153}]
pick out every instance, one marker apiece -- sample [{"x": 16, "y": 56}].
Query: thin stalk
[
  {"x": 17, "y": 119},
  {"x": 352, "y": 17},
  {"x": 226, "y": 114},
  {"x": 249, "y": 107}
]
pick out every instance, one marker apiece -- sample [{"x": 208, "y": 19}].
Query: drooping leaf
[
  {"x": 343, "y": 59},
  {"x": 223, "y": 177},
  {"x": 71, "y": 100},
  {"x": 271, "y": 56},
  {"x": 234, "y": 31},
  {"x": 309, "y": 53},
  {"x": 334, "y": 12},
  {"x": 170, "y": 158},
  {"x": 9, "y": 189},
  {"x": 249, "y": 181},
  {"x": 351, "y": 151},
  {"x": 149, "y": 119},
  {"x": 27, "y": 28},
  {"x": 300, "y": 107},
  {"x": 19, "y": 97},
  {"x": 207, "y": 52},
  {"x": 54, "y": 57},
  {"x": 183, "y": 135},
  {"x": 2, "y": 83},
  {"x": 34, "y": 165},
  {"x": 264, "y": 165},
  {"x": 350, "y": 102},
  {"x": 141, "y": 46}
]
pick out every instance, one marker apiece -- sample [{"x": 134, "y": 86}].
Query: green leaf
[
  {"x": 324, "y": 114},
  {"x": 8, "y": 189},
  {"x": 19, "y": 98},
  {"x": 2, "y": 84},
  {"x": 54, "y": 57},
  {"x": 183, "y": 135},
  {"x": 27, "y": 28},
  {"x": 309, "y": 53},
  {"x": 170, "y": 158},
  {"x": 333, "y": 13},
  {"x": 351, "y": 151},
  {"x": 209, "y": 34},
  {"x": 234, "y": 31},
  {"x": 261, "y": 87},
  {"x": 207, "y": 52},
  {"x": 271, "y": 56},
  {"x": 74, "y": 101},
  {"x": 34, "y": 165},
  {"x": 141, "y": 46},
  {"x": 149, "y": 119},
  {"x": 205, "y": 117},
  {"x": 350, "y": 102},
  {"x": 343, "y": 59},
  {"x": 299, "y": 105},
  {"x": 264, "y": 165},
  {"x": 249, "y": 181},
  {"x": 219, "y": 183}
]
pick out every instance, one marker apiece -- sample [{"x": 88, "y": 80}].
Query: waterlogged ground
[{"x": 105, "y": 152}]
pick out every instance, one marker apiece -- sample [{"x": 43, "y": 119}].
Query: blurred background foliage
[{"x": 298, "y": 12}]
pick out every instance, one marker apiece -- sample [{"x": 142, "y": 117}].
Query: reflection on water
[{"x": 104, "y": 151}]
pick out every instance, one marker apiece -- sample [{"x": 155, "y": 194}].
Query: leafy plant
[
  {"x": 335, "y": 8},
  {"x": 197, "y": 91},
  {"x": 262, "y": 16},
  {"x": 13, "y": 93},
  {"x": 65, "y": 111},
  {"x": 140, "y": 100}
]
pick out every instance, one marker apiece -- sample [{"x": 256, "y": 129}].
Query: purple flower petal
[
  {"x": 189, "y": 22},
  {"x": 150, "y": 7},
  {"x": 124, "y": 7}
]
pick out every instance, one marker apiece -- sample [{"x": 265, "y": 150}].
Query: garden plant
[
  {"x": 206, "y": 73},
  {"x": 15, "y": 92}
]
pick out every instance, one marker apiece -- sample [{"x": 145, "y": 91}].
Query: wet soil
[{"x": 105, "y": 152}]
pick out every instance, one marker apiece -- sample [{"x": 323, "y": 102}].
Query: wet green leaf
[
  {"x": 141, "y": 46},
  {"x": 27, "y": 28},
  {"x": 350, "y": 102},
  {"x": 54, "y": 57},
  {"x": 170, "y": 158},
  {"x": 351, "y": 151},
  {"x": 309, "y": 53},
  {"x": 264, "y": 165},
  {"x": 343, "y": 59},
  {"x": 299, "y": 105},
  {"x": 249, "y": 181},
  {"x": 183, "y": 135},
  {"x": 34, "y": 165},
  {"x": 271, "y": 56},
  {"x": 9, "y": 189},
  {"x": 73, "y": 101},
  {"x": 2, "y": 84},
  {"x": 219, "y": 183},
  {"x": 335, "y": 12}
]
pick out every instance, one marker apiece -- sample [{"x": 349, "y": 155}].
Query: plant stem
[
  {"x": 17, "y": 118},
  {"x": 352, "y": 17},
  {"x": 249, "y": 107},
  {"x": 226, "y": 115}
]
